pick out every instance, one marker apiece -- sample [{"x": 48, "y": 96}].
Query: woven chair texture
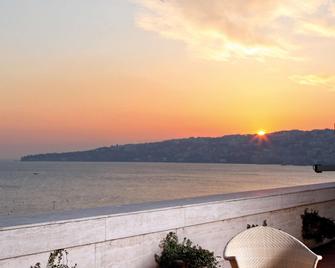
[{"x": 266, "y": 247}]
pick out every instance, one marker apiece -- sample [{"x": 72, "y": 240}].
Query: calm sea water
[{"x": 37, "y": 187}]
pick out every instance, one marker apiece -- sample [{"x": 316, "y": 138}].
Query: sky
[{"x": 82, "y": 74}]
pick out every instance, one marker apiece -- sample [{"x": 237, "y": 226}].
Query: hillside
[{"x": 292, "y": 147}]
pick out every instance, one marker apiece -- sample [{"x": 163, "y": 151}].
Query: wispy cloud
[
  {"x": 223, "y": 29},
  {"x": 319, "y": 28},
  {"x": 327, "y": 81}
]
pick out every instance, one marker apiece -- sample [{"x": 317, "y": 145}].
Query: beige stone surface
[{"x": 131, "y": 239}]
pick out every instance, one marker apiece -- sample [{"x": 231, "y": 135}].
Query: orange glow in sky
[{"x": 95, "y": 73}]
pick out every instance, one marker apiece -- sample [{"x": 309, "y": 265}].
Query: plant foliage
[
  {"x": 317, "y": 227},
  {"x": 57, "y": 259},
  {"x": 184, "y": 254},
  {"x": 255, "y": 225}
]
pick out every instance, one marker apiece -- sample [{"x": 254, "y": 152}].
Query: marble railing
[{"x": 128, "y": 236}]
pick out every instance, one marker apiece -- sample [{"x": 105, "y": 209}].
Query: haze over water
[{"x": 37, "y": 187}]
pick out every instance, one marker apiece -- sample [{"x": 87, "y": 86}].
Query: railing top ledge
[{"x": 12, "y": 222}]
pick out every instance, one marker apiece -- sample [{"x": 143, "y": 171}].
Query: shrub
[
  {"x": 57, "y": 259},
  {"x": 184, "y": 254},
  {"x": 317, "y": 227}
]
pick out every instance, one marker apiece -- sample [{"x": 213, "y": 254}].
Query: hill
[{"x": 294, "y": 147}]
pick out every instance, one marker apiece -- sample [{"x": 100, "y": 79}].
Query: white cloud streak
[
  {"x": 224, "y": 29},
  {"x": 326, "y": 81}
]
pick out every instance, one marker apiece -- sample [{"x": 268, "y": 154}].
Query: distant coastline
[{"x": 293, "y": 147}]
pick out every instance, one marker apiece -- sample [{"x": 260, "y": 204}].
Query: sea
[{"x": 28, "y": 188}]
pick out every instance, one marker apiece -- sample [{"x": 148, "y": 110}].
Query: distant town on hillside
[{"x": 294, "y": 147}]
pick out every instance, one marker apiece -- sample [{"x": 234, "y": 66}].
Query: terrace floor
[{"x": 328, "y": 255}]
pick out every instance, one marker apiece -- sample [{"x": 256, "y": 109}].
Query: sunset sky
[{"x": 79, "y": 74}]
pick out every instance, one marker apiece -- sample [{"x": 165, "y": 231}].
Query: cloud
[
  {"x": 327, "y": 81},
  {"x": 320, "y": 28},
  {"x": 224, "y": 29}
]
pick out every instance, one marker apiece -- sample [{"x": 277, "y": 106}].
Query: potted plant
[
  {"x": 57, "y": 259},
  {"x": 315, "y": 228},
  {"x": 184, "y": 254}
]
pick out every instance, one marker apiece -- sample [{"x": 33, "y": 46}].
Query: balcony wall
[{"x": 128, "y": 236}]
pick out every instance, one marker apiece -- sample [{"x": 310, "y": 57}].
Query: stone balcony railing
[{"x": 128, "y": 236}]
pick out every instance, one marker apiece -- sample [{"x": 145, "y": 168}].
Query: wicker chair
[{"x": 266, "y": 247}]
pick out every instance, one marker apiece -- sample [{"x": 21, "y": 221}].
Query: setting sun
[{"x": 261, "y": 133}]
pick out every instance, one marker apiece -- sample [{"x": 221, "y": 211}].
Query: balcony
[{"x": 128, "y": 236}]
